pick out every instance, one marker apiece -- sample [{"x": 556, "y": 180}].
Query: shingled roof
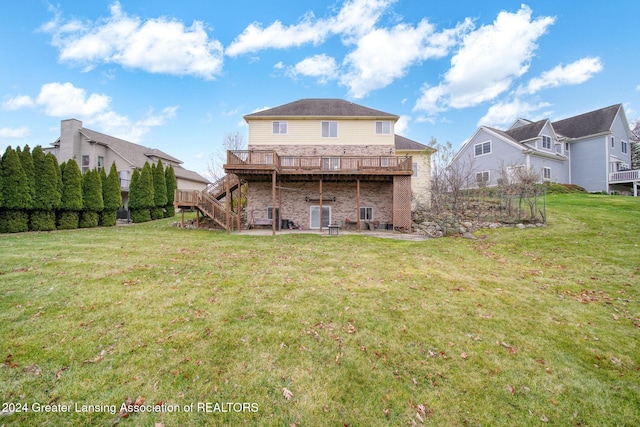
[
  {"x": 527, "y": 132},
  {"x": 402, "y": 143},
  {"x": 321, "y": 107},
  {"x": 591, "y": 123}
]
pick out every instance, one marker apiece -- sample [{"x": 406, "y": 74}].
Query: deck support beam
[
  {"x": 358, "y": 203},
  {"x": 227, "y": 199},
  {"x": 321, "y": 204},
  {"x": 274, "y": 217}
]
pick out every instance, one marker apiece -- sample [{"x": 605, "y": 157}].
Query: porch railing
[
  {"x": 625, "y": 176},
  {"x": 318, "y": 163}
]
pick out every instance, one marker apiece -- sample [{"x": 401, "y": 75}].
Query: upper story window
[
  {"x": 100, "y": 163},
  {"x": 546, "y": 142},
  {"x": 329, "y": 129},
  {"x": 280, "y": 128},
  {"x": 566, "y": 146},
  {"x": 414, "y": 168},
  {"x": 383, "y": 128},
  {"x": 482, "y": 148},
  {"x": 613, "y": 142},
  {"x": 624, "y": 146}
]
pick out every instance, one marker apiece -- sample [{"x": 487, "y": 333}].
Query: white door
[{"x": 315, "y": 216}]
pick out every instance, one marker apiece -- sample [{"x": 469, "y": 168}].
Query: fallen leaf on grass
[
  {"x": 511, "y": 389},
  {"x": 286, "y": 393},
  {"x": 463, "y": 355},
  {"x": 32, "y": 369},
  {"x": 544, "y": 419},
  {"x": 511, "y": 348}
]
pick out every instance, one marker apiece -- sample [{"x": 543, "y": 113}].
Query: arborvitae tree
[
  {"x": 71, "y": 202},
  {"x": 14, "y": 216},
  {"x": 92, "y": 203},
  {"x": 47, "y": 194},
  {"x": 112, "y": 197},
  {"x": 141, "y": 198},
  {"x": 53, "y": 160},
  {"x": 172, "y": 185},
  {"x": 159, "y": 191},
  {"x": 29, "y": 170}
]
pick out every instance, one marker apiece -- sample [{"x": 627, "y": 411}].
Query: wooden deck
[{"x": 258, "y": 162}]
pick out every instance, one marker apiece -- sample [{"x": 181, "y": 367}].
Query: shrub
[
  {"x": 140, "y": 215},
  {"x": 172, "y": 185},
  {"x": 47, "y": 191},
  {"x": 71, "y": 200},
  {"x": 112, "y": 197},
  {"x": 141, "y": 195},
  {"x": 16, "y": 200},
  {"x": 67, "y": 220}
]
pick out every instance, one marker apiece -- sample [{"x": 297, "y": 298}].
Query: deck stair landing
[{"x": 213, "y": 201}]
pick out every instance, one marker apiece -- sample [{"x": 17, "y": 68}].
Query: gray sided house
[
  {"x": 94, "y": 150},
  {"x": 592, "y": 150}
]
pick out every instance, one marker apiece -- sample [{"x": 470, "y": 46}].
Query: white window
[
  {"x": 280, "y": 128},
  {"x": 314, "y": 216},
  {"x": 414, "y": 167},
  {"x": 383, "y": 128},
  {"x": 482, "y": 177},
  {"x": 546, "y": 142},
  {"x": 270, "y": 213},
  {"x": 613, "y": 142},
  {"x": 331, "y": 163},
  {"x": 124, "y": 179},
  {"x": 566, "y": 146},
  {"x": 85, "y": 163},
  {"x": 623, "y": 146},
  {"x": 100, "y": 163},
  {"x": 366, "y": 214},
  {"x": 482, "y": 148},
  {"x": 329, "y": 129},
  {"x": 546, "y": 174}
]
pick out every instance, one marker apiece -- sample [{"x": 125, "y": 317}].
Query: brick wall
[{"x": 377, "y": 195}]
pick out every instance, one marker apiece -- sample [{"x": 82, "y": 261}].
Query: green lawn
[{"x": 519, "y": 327}]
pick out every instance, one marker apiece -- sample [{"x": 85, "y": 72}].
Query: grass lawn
[{"x": 520, "y": 327}]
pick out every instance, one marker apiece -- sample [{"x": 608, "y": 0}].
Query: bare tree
[
  {"x": 231, "y": 141},
  {"x": 635, "y": 146}
]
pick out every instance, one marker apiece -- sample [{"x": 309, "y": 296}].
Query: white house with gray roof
[
  {"x": 592, "y": 150},
  {"x": 91, "y": 149}
]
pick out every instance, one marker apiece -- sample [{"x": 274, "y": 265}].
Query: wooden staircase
[{"x": 215, "y": 201}]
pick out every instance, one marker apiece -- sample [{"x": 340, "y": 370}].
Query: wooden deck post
[
  {"x": 239, "y": 210},
  {"x": 358, "y": 203},
  {"x": 273, "y": 203},
  {"x": 227, "y": 199},
  {"x": 321, "y": 205}
]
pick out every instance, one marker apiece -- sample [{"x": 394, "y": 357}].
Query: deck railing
[
  {"x": 625, "y": 176},
  {"x": 318, "y": 163}
]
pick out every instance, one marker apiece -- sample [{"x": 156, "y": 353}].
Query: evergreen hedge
[
  {"x": 47, "y": 191},
  {"x": 92, "y": 203},
  {"x": 159, "y": 191},
  {"x": 141, "y": 198},
  {"x": 111, "y": 196},
  {"x": 71, "y": 201},
  {"x": 172, "y": 185},
  {"x": 17, "y": 200}
]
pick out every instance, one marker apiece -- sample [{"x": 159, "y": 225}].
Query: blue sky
[{"x": 179, "y": 76}]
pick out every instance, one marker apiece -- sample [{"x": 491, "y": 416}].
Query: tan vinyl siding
[{"x": 309, "y": 132}]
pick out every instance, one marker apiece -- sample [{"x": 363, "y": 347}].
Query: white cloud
[
  {"x": 323, "y": 67},
  {"x": 402, "y": 125},
  {"x": 20, "y": 132},
  {"x": 154, "y": 45},
  {"x": 384, "y": 55},
  {"x": 504, "y": 114},
  {"x": 575, "y": 73},
  {"x": 21, "y": 101},
  {"x": 488, "y": 61},
  {"x": 64, "y": 100},
  {"x": 355, "y": 18}
]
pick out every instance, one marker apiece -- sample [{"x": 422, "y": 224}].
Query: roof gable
[
  {"x": 527, "y": 132},
  {"x": 591, "y": 123},
  {"x": 321, "y": 107}
]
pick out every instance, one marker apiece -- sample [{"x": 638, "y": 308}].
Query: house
[
  {"x": 592, "y": 150},
  {"x": 316, "y": 162},
  {"x": 92, "y": 149}
]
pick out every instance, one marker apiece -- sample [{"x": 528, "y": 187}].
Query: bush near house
[
  {"x": 16, "y": 200},
  {"x": 71, "y": 201},
  {"x": 111, "y": 196},
  {"x": 159, "y": 191},
  {"x": 47, "y": 191},
  {"x": 172, "y": 185},
  {"x": 92, "y": 203},
  {"x": 141, "y": 198}
]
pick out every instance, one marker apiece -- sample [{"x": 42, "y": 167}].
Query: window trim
[
  {"x": 365, "y": 210},
  {"x": 482, "y": 150},
  {"x": 382, "y": 123},
  {"x": 548, "y": 139},
  {"x": 546, "y": 176},
  {"x": 613, "y": 142},
  {"x": 414, "y": 169},
  {"x": 624, "y": 147},
  {"x": 329, "y": 122},
  {"x": 482, "y": 180},
  {"x": 324, "y": 219},
  {"x": 85, "y": 165},
  {"x": 279, "y": 124}
]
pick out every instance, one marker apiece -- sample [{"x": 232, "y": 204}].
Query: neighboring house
[
  {"x": 92, "y": 149},
  {"x": 317, "y": 162},
  {"x": 592, "y": 150}
]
